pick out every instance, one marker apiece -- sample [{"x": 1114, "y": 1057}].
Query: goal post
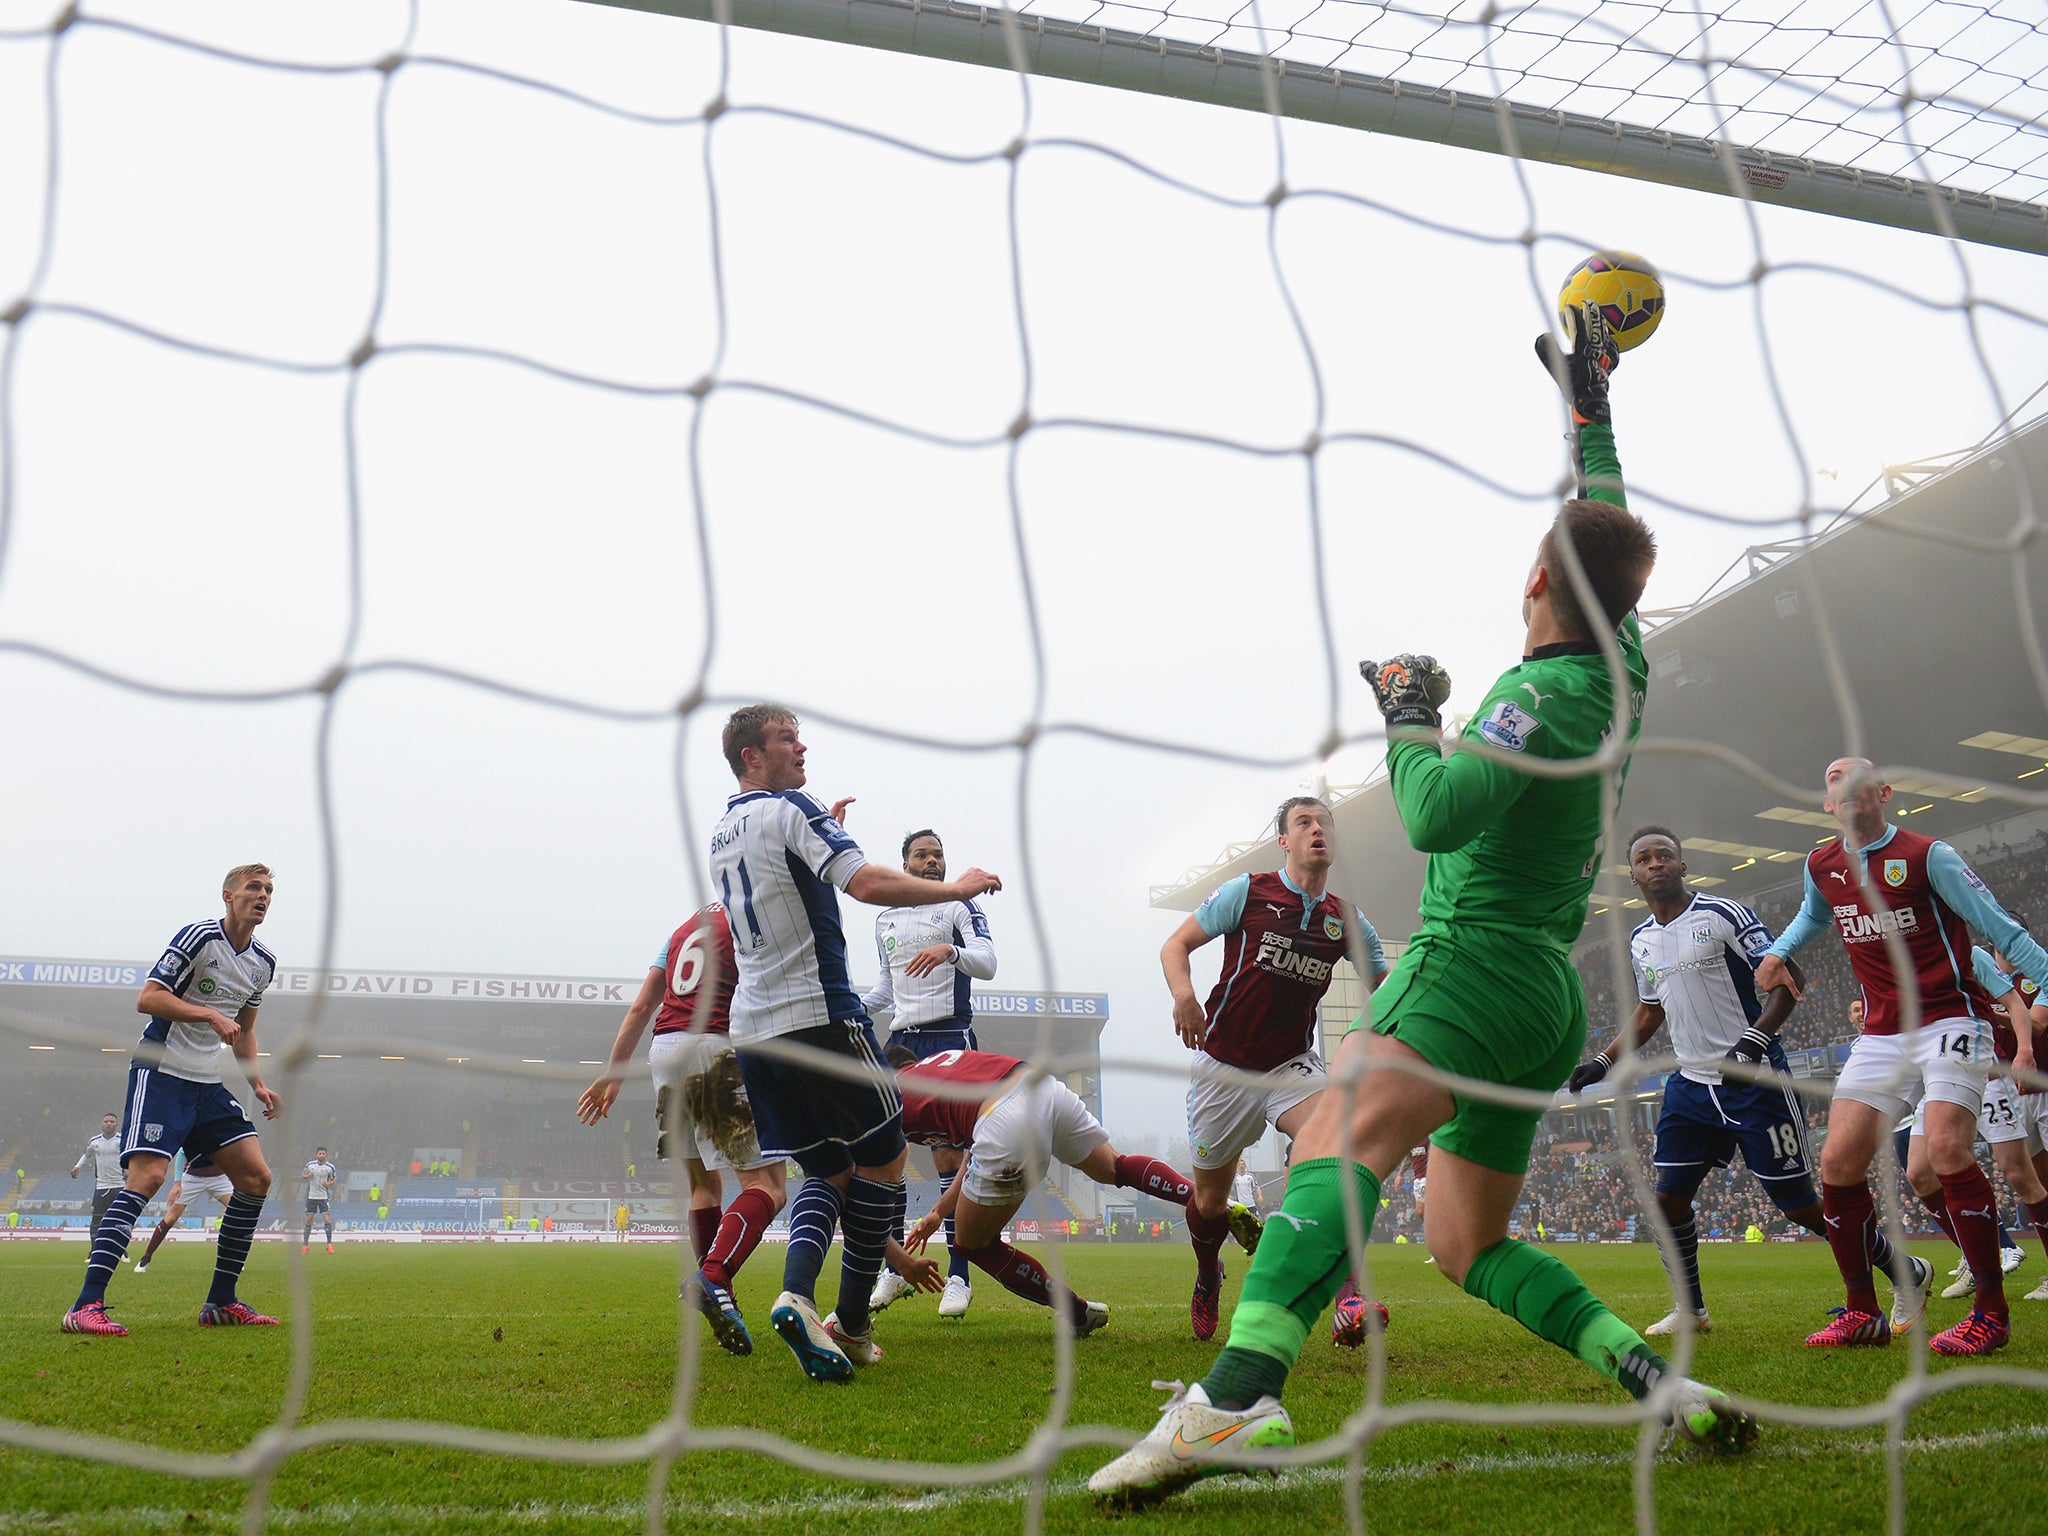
[{"x": 1161, "y": 65}]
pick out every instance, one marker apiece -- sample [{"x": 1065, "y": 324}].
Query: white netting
[
  {"x": 1775, "y": 82},
  {"x": 1941, "y": 91}
]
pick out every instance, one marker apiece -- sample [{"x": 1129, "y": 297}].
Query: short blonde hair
[{"x": 234, "y": 877}]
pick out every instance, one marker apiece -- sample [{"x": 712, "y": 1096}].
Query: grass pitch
[{"x": 580, "y": 1340}]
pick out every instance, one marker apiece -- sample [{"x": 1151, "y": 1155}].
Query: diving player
[
  {"x": 1878, "y": 882},
  {"x": 318, "y": 1177},
  {"x": 778, "y": 860},
  {"x": 1015, "y": 1126},
  {"x": 189, "y": 1181},
  {"x": 1486, "y": 990},
  {"x": 1284, "y": 934},
  {"x": 1694, "y": 959},
  {"x": 927, "y": 957},
  {"x": 201, "y": 995}
]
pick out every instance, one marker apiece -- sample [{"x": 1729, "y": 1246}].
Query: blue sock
[
  {"x": 956, "y": 1266},
  {"x": 109, "y": 1245},
  {"x": 812, "y": 1216},
  {"x": 869, "y": 1207},
  {"x": 1685, "y": 1237},
  {"x": 231, "y": 1248},
  {"x": 1885, "y": 1257}
]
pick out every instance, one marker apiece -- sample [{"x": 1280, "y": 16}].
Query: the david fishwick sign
[{"x": 448, "y": 986}]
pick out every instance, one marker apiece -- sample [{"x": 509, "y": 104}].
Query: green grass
[{"x": 589, "y": 1347}]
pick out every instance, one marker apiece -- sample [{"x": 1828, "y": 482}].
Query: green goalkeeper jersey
[{"x": 1511, "y": 853}]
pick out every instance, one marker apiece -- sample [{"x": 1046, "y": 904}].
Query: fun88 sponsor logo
[{"x": 1277, "y": 954}]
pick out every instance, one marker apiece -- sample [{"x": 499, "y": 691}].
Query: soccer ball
[{"x": 1625, "y": 287}]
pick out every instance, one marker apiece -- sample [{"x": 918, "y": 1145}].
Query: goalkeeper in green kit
[{"x": 1485, "y": 990}]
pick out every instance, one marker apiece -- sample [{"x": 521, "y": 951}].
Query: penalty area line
[{"x": 380, "y": 1514}]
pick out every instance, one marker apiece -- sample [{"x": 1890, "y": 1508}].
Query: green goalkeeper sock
[
  {"x": 1301, "y": 1263},
  {"x": 1545, "y": 1297}
]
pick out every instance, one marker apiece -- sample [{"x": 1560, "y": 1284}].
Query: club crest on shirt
[
  {"x": 1894, "y": 871},
  {"x": 1333, "y": 927},
  {"x": 1703, "y": 934},
  {"x": 1509, "y": 725},
  {"x": 152, "y": 1133}
]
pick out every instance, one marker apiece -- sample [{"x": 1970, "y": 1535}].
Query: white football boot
[
  {"x": 958, "y": 1295},
  {"x": 795, "y": 1318},
  {"x": 891, "y": 1288},
  {"x": 1098, "y": 1318},
  {"x": 1667, "y": 1325},
  {"x": 2039, "y": 1292},
  {"x": 2010, "y": 1259},
  {"x": 1177, "y": 1452},
  {"x": 1909, "y": 1302},
  {"x": 860, "y": 1348},
  {"x": 1965, "y": 1283}
]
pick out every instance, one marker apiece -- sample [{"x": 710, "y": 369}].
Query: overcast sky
[{"x": 183, "y": 521}]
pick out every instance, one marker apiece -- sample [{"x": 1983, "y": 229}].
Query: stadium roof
[{"x": 1924, "y": 598}]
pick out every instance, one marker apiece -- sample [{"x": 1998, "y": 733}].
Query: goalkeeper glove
[
  {"x": 1410, "y": 690},
  {"x": 1587, "y": 1073},
  {"x": 1752, "y": 1048},
  {"x": 1581, "y": 367}
]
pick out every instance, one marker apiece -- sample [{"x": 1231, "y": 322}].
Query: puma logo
[
  {"x": 1299, "y": 1223},
  {"x": 1536, "y": 697},
  {"x": 1839, "y": 875}
]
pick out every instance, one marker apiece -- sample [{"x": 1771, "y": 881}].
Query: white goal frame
[{"x": 998, "y": 38}]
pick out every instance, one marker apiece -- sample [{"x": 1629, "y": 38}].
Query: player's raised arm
[{"x": 880, "y": 887}]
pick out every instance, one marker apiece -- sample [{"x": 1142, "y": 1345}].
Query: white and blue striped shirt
[
  {"x": 944, "y": 994},
  {"x": 202, "y": 966},
  {"x": 776, "y": 858},
  {"x": 1701, "y": 969}
]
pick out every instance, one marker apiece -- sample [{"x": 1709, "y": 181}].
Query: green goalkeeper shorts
[{"x": 1499, "y": 1012}]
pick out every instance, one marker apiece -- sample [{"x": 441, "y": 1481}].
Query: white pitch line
[{"x": 385, "y": 1515}]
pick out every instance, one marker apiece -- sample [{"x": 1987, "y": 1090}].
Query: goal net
[{"x": 420, "y": 425}]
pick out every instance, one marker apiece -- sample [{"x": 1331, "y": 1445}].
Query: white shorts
[
  {"x": 1015, "y": 1142},
  {"x": 193, "y": 1185},
  {"x": 1225, "y": 1117},
  {"x": 1948, "y": 1058},
  {"x": 2010, "y": 1115},
  {"x": 1421, "y": 1185},
  {"x": 700, "y": 1102}
]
